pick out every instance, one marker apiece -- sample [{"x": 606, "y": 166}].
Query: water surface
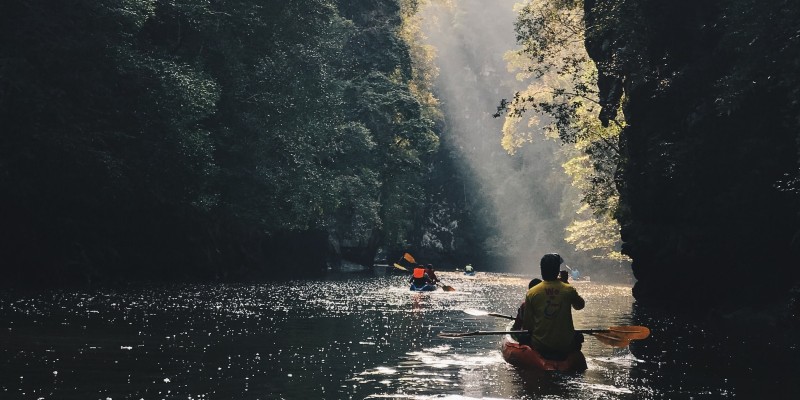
[{"x": 351, "y": 337}]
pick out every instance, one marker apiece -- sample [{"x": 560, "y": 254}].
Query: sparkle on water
[{"x": 354, "y": 336}]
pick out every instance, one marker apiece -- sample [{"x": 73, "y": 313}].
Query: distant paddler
[{"x": 468, "y": 270}]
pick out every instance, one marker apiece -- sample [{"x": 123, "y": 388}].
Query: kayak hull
[
  {"x": 525, "y": 357},
  {"x": 425, "y": 288},
  {"x": 470, "y": 273}
]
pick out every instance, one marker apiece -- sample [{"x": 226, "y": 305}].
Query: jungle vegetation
[{"x": 201, "y": 139}]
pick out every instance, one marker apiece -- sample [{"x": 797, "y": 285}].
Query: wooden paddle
[
  {"x": 472, "y": 311},
  {"x": 616, "y": 336},
  {"x": 446, "y": 288}
]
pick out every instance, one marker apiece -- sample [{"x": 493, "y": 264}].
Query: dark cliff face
[{"x": 707, "y": 179}]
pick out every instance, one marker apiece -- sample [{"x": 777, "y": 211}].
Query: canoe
[
  {"x": 524, "y": 357},
  {"x": 424, "y": 288}
]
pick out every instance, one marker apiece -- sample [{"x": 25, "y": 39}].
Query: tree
[
  {"x": 384, "y": 93},
  {"x": 565, "y": 105}
]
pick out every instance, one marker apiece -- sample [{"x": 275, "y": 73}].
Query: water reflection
[{"x": 346, "y": 337}]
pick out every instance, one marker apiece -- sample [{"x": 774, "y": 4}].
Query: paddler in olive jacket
[{"x": 548, "y": 312}]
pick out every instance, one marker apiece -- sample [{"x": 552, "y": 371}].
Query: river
[{"x": 354, "y": 336}]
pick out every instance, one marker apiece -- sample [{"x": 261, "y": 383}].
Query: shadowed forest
[{"x": 201, "y": 140}]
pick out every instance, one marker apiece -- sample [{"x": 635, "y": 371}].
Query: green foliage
[
  {"x": 385, "y": 94},
  {"x": 552, "y": 54},
  {"x": 192, "y": 132},
  {"x": 561, "y": 101}
]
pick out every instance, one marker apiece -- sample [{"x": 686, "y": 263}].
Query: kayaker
[
  {"x": 521, "y": 312},
  {"x": 575, "y": 274},
  {"x": 468, "y": 268},
  {"x": 431, "y": 274},
  {"x": 419, "y": 278},
  {"x": 548, "y": 312}
]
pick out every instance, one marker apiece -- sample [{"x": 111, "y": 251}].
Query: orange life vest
[{"x": 419, "y": 272}]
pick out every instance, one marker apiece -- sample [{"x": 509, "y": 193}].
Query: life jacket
[{"x": 419, "y": 272}]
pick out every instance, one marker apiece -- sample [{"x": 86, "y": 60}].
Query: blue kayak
[
  {"x": 424, "y": 288},
  {"x": 470, "y": 273}
]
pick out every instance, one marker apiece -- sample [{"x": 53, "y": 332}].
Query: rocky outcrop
[{"x": 708, "y": 210}]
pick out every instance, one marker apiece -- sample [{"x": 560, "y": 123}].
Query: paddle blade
[
  {"x": 611, "y": 340},
  {"x": 472, "y": 311},
  {"x": 409, "y": 258},
  {"x": 630, "y": 332},
  {"x": 448, "y": 288},
  {"x": 400, "y": 267},
  {"x": 619, "y": 336},
  {"x": 501, "y": 315}
]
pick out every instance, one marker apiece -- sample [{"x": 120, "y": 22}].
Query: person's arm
[
  {"x": 577, "y": 302},
  {"x": 527, "y": 315},
  {"x": 518, "y": 320}
]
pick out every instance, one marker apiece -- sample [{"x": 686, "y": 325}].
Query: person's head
[
  {"x": 550, "y": 265},
  {"x": 429, "y": 266},
  {"x": 534, "y": 282}
]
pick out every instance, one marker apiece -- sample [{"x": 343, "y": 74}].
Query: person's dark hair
[
  {"x": 534, "y": 282},
  {"x": 550, "y": 265}
]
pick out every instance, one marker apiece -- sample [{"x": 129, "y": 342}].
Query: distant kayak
[
  {"x": 424, "y": 288},
  {"x": 525, "y": 357},
  {"x": 469, "y": 273}
]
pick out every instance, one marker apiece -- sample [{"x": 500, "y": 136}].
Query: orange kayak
[{"x": 525, "y": 357}]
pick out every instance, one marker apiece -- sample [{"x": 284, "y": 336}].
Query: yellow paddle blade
[
  {"x": 610, "y": 339},
  {"x": 633, "y": 332},
  {"x": 398, "y": 266},
  {"x": 618, "y": 336}
]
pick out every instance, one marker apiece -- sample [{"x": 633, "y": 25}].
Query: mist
[{"x": 526, "y": 197}]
